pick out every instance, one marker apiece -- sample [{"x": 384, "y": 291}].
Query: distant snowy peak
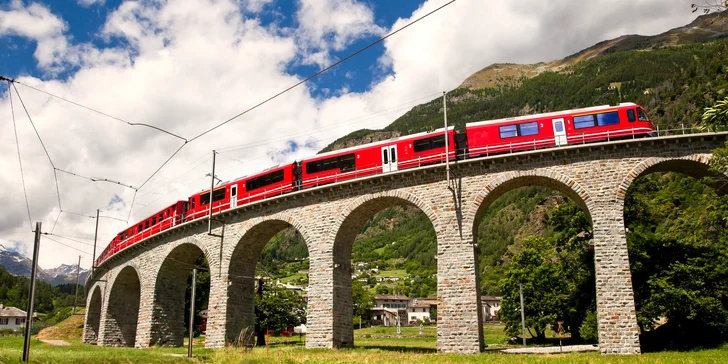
[{"x": 19, "y": 265}]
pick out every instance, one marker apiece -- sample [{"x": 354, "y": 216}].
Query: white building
[
  {"x": 418, "y": 311},
  {"x": 395, "y": 301},
  {"x": 491, "y": 306},
  {"x": 13, "y": 318}
]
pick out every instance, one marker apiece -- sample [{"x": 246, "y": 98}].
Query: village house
[
  {"x": 491, "y": 306},
  {"x": 13, "y": 318}
]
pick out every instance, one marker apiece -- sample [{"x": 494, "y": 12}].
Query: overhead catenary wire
[
  {"x": 296, "y": 85},
  {"x": 100, "y": 112},
  {"x": 66, "y": 245},
  {"x": 20, "y": 160},
  {"x": 55, "y": 175},
  {"x": 186, "y": 141},
  {"x": 321, "y": 71}
]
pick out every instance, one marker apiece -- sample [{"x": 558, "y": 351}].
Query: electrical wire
[
  {"x": 55, "y": 175},
  {"x": 295, "y": 85},
  {"x": 322, "y": 71},
  {"x": 20, "y": 161},
  {"x": 68, "y": 238},
  {"x": 100, "y": 112},
  {"x": 66, "y": 245}
]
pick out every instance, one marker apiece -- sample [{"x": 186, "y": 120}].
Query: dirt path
[{"x": 56, "y": 342}]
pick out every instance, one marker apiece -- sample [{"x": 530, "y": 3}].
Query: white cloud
[
  {"x": 87, "y": 3},
  {"x": 185, "y": 66},
  {"x": 326, "y": 25},
  {"x": 36, "y": 22}
]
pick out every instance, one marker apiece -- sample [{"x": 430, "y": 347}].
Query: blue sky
[
  {"x": 187, "y": 65},
  {"x": 84, "y": 24}
]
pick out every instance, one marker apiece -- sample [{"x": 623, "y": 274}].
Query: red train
[{"x": 600, "y": 123}]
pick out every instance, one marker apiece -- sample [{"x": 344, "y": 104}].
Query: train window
[
  {"x": 385, "y": 156},
  {"x": 584, "y": 121},
  {"x": 154, "y": 221},
  {"x": 204, "y": 198},
  {"x": 528, "y": 128},
  {"x": 508, "y": 131},
  {"x": 219, "y": 194},
  {"x": 312, "y": 167},
  {"x": 608, "y": 118},
  {"x": 438, "y": 141},
  {"x": 192, "y": 203},
  {"x": 630, "y": 115},
  {"x": 642, "y": 115},
  {"x": 329, "y": 163},
  {"x": 140, "y": 228},
  {"x": 146, "y": 224},
  {"x": 161, "y": 217},
  {"x": 347, "y": 162},
  {"x": 264, "y": 180},
  {"x": 421, "y": 145}
]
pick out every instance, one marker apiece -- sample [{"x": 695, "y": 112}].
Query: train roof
[
  {"x": 544, "y": 115},
  {"x": 381, "y": 142}
]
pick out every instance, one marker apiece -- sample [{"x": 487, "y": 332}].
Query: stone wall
[{"x": 329, "y": 217}]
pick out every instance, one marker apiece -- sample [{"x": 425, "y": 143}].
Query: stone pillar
[
  {"x": 617, "y": 318},
  {"x": 459, "y": 328},
  {"x": 146, "y": 308},
  {"x": 216, "y": 311},
  {"x": 326, "y": 321}
]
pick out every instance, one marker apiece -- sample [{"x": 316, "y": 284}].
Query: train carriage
[
  {"x": 379, "y": 157},
  {"x": 557, "y": 128},
  {"x": 594, "y": 124}
]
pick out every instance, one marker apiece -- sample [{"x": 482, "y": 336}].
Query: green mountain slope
[{"x": 674, "y": 75}]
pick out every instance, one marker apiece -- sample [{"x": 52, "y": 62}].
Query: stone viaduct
[{"x": 136, "y": 298}]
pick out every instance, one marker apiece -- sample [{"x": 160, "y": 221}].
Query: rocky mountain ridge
[
  {"x": 703, "y": 29},
  {"x": 20, "y": 265}
]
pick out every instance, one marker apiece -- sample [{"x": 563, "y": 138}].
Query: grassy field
[
  {"x": 393, "y": 273},
  {"x": 372, "y": 349}
]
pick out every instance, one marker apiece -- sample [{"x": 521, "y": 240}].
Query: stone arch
[
  {"x": 93, "y": 317},
  {"x": 249, "y": 243},
  {"x": 122, "y": 312},
  {"x": 348, "y": 223},
  {"x": 167, "y": 325},
  {"x": 507, "y": 181},
  {"x": 696, "y": 166}
]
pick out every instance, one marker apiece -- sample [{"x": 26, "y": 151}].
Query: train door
[
  {"x": 559, "y": 132},
  {"x": 389, "y": 158},
  {"x": 234, "y": 196}
]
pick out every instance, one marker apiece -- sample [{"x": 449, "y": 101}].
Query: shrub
[{"x": 589, "y": 331}]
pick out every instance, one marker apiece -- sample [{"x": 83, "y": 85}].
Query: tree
[
  {"x": 715, "y": 6},
  {"x": 278, "y": 308},
  {"x": 716, "y": 117},
  {"x": 545, "y": 289},
  {"x": 361, "y": 297}
]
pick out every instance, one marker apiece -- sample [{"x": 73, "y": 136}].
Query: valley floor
[{"x": 373, "y": 345}]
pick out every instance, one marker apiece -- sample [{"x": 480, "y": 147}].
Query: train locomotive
[{"x": 484, "y": 138}]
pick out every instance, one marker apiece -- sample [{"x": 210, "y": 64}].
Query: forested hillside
[{"x": 678, "y": 227}]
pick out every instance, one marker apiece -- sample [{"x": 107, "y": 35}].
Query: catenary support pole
[
  {"x": 96, "y": 234},
  {"x": 31, "y": 294},
  {"x": 212, "y": 186},
  {"x": 75, "y": 289},
  {"x": 192, "y": 313},
  {"x": 523, "y": 316},
  {"x": 447, "y": 142}
]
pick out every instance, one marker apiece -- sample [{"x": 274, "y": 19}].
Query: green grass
[
  {"x": 289, "y": 350},
  {"x": 293, "y": 277},
  {"x": 393, "y": 273}
]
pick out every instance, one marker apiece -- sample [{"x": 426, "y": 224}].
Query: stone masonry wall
[{"x": 329, "y": 217}]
